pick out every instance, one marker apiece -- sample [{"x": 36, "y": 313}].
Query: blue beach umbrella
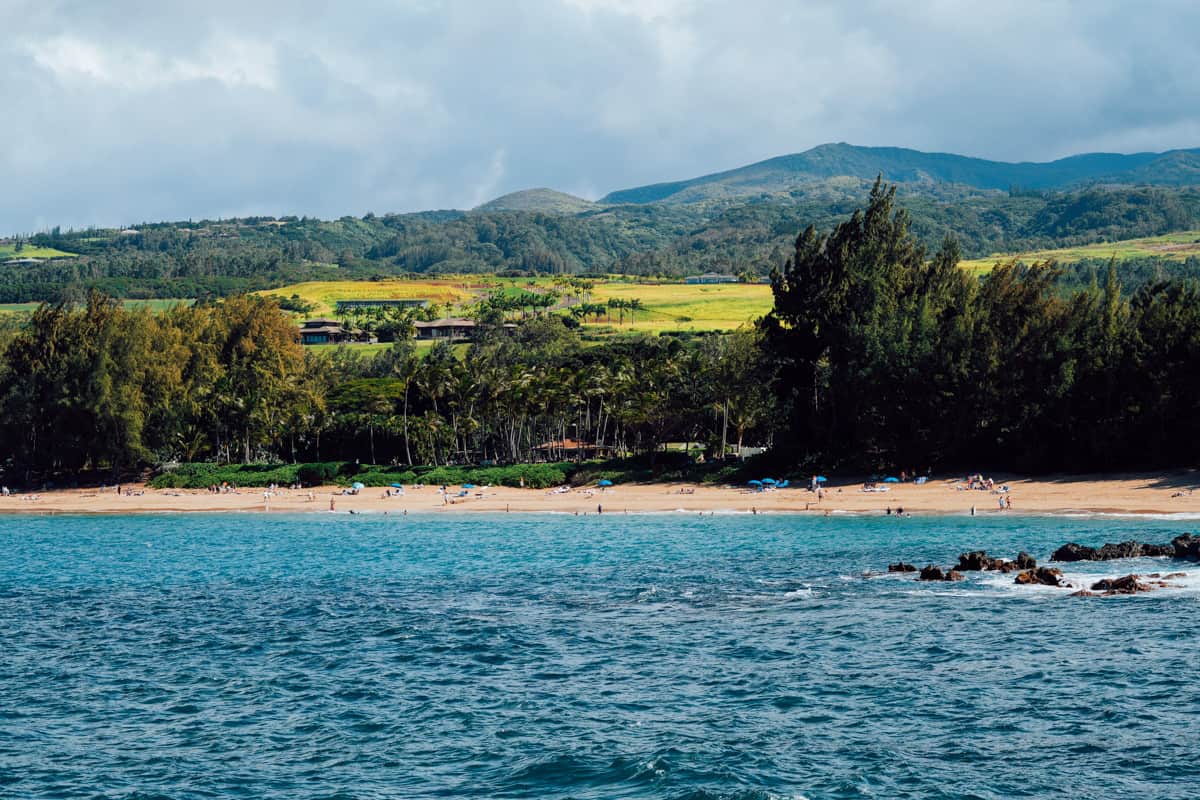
[
  {"x": 769, "y": 481},
  {"x": 468, "y": 486},
  {"x": 754, "y": 483},
  {"x": 604, "y": 482},
  {"x": 891, "y": 480},
  {"x": 357, "y": 485},
  {"x": 822, "y": 479},
  {"x": 397, "y": 486}
]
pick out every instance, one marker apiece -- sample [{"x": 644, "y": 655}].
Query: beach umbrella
[
  {"x": 604, "y": 482},
  {"x": 754, "y": 483},
  {"x": 769, "y": 481},
  {"x": 357, "y": 485},
  {"x": 891, "y": 480},
  {"x": 397, "y": 486},
  {"x": 468, "y": 486},
  {"x": 822, "y": 479}
]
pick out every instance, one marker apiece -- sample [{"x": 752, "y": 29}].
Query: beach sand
[{"x": 1159, "y": 493}]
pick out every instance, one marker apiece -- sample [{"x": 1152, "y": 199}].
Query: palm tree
[{"x": 634, "y": 305}]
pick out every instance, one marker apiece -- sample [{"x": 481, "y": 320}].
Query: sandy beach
[{"x": 1159, "y": 493}]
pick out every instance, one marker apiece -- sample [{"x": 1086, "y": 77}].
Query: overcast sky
[{"x": 124, "y": 111}]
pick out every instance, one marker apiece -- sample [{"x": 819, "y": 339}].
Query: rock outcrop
[
  {"x": 900, "y": 566},
  {"x": 977, "y": 561},
  {"x": 932, "y": 573},
  {"x": 1043, "y": 576},
  {"x": 1131, "y": 549},
  {"x": 1186, "y": 546},
  {"x": 1128, "y": 584}
]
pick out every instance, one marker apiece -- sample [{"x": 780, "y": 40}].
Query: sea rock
[
  {"x": 932, "y": 573},
  {"x": 1128, "y": 584},
  {"x": 1130, "y": 549},
  {"x": 900, "y": 566},
  {"x": 1025, "y": 561},
  {"x": 1186, "y": 546},
  {"x": 1074, "y": 552},
  {"x": 978, "y": 560},
  {"x": 1044, "y": 576}
]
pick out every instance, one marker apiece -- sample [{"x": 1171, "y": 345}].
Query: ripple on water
[{"x": 513, "y": 657}]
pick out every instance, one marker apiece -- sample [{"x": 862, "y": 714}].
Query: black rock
[
  {"x": 978, "y": 560},
  {"x": 1186, "y": 546},
  {"x": 1074, "y": 552},
  {"x": 1130, "y": 549},
  {"x": 932, "y": 573},
  {"x": 900, "y": 566},
  {"x": 1025, "y": 561},
  {"x": 1129, "y": 584},
  {"x": 1110, "y": 552}
]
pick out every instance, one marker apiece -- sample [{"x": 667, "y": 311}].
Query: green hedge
[
  {"x": 201, "y": 476},
  {"x": 666, "y": 467}
]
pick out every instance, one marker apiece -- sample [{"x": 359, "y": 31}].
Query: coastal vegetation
[{"x": 874, "y": 352}]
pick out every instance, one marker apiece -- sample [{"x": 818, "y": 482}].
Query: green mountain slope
[
  {"x": 547, "y": 200},
  {"x": 805, "y": 171}
]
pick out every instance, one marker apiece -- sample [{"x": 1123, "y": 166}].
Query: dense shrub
[{"x": 200, "y": 476}]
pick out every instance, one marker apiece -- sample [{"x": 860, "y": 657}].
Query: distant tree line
[{"x": 745, "y": 237}]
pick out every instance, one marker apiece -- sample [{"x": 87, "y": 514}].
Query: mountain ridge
[{"x": 796, "y": 171}]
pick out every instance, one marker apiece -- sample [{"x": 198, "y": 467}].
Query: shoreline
[{"x": 1175, "y": 494}]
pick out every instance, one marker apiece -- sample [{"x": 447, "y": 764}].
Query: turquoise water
[{"x": 668, "y": 656}]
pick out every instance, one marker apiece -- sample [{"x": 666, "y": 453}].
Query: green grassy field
[
  {"x": 688, "y": 307},
  {"x": 1171, "y": 246},
  {"x": 325, "y": 294},
  {"x": 669, "y": 306},
  {"x": 8, "y": 251},
  {"x": 423, "y": 346},
  {"x": 153, "y": 305}
]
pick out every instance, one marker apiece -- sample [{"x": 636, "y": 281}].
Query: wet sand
[{"x": 1157, "y": 493}]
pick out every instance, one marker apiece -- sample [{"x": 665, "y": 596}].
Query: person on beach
[
  {"x": 599, "y": 510},
  {"x": 331, "y": 503}
]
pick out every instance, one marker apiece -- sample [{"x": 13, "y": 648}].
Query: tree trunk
[{"x": 725, "y": 429}]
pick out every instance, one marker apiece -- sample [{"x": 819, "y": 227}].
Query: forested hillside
[
  {"x": 218, "y": 258},
  {"x": 804, "y": 173}
]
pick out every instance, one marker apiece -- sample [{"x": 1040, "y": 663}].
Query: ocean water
[{"x": 656, "y": 656}]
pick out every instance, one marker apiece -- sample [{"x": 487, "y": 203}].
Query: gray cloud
[{"x": 131, "y": 110}]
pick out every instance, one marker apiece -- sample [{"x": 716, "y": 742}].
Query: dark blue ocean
[{"x": 658, "y": 656}]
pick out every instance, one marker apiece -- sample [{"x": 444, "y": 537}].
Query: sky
[{"x": 125, "y": 111}]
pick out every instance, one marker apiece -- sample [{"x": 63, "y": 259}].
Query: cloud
[{"x": 134, "y": 110}]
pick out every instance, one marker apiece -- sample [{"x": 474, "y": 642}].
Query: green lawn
[
  {"x": 666, "y": 306},
  {"x": 161, "y": 304},
  {"x": 1171, "y": 246},
  {"x": 423, "y": 346},
  {"x": 325, "y": 294},
  {"x": 689, "y": 307},
  {"x": 8, "y": 251}
]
